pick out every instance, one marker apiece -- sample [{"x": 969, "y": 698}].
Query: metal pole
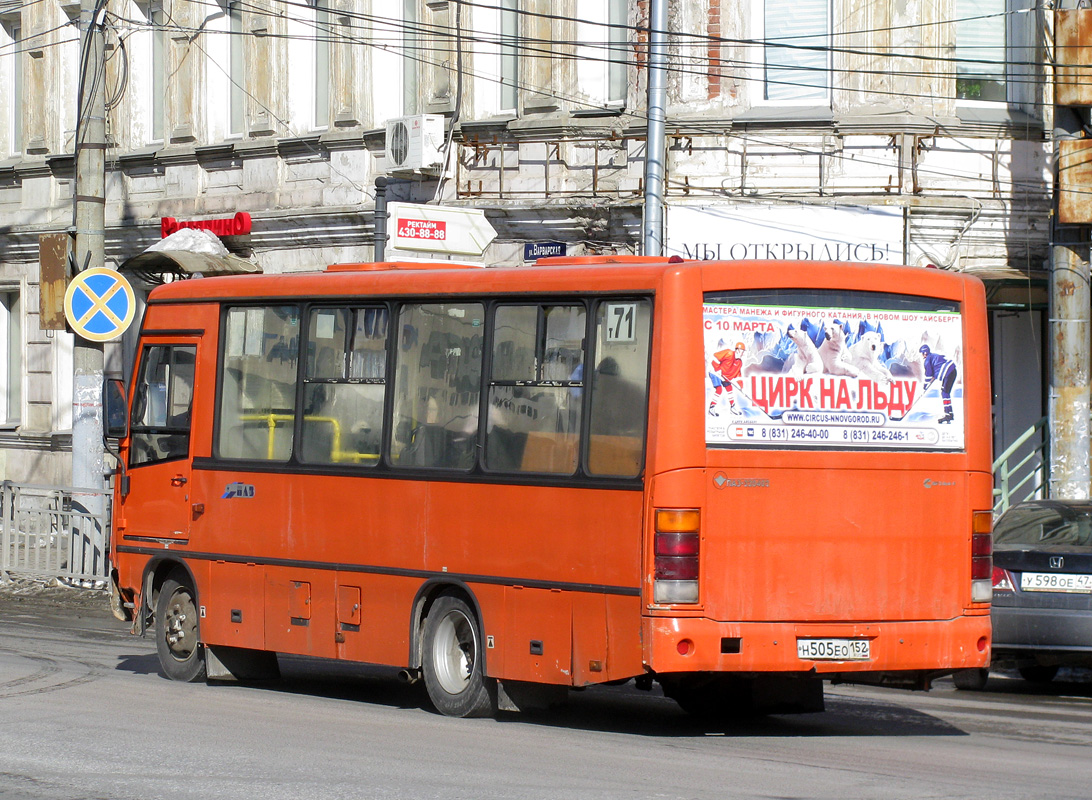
[
  {"x": 380, "y": 224},
  {"x": 655, "y": 147},
  {"x": 90, "y": 213},
  {"x": 1070, "y": 365}
]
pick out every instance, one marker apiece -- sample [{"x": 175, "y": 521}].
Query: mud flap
[
  {"x": 524, "y": 696},
  {"x": 224, "y": 663},
  {"x": 117, "y": 604}
]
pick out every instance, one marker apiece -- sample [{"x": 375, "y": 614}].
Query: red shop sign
[{"x": 238, "y": 225}]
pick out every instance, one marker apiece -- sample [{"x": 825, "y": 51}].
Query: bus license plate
[
  {"x": 833, "y": 649},
  {"x": 1056, "y": 582}
]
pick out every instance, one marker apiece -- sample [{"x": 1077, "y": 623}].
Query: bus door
[{"x": 159, "y": 458}]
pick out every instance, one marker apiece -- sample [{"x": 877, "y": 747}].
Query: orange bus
[{"x": 737, "y": 479}]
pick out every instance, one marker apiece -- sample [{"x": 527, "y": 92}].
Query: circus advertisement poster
[{"x": 857, "y": 378}]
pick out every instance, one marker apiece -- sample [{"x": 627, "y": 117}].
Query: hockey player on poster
[
  {"x": 727, "y": 366},
  {"x": 939, "y": 368}
]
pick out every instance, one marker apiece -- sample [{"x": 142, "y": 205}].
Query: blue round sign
[{"x": 99, "y": 304}]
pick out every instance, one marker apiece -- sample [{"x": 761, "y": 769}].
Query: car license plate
[
  {"x": 833, "y": 649},
  {"x": 1055, "y": 582}
]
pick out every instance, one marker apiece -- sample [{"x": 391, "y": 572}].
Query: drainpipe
[
  {"x": 380, "y": 224},
  {"x": 657, "y": 118}
]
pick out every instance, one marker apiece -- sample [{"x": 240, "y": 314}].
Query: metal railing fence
[
  {"x": 54, "y": 532},
  {"x": 1020, "y": 472}
]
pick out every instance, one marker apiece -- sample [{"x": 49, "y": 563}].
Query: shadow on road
[
  {"x": 139, "y": 665},
  {"x": 612, "y": 709},
  {"x": 629, "y": 711}
]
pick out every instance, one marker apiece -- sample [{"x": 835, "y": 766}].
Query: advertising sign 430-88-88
[{"x": 848, "y": 377}]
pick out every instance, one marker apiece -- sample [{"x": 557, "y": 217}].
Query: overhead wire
[{"x": 427, "y": 30}]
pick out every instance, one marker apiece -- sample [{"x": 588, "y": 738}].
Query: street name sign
[{"x": 532, "y": 251}]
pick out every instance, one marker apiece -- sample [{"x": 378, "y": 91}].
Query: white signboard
[
  {"x": 439, "y": 229},
  {"x": 782, "y": 233},
  {"x": 858, "y": 378}
]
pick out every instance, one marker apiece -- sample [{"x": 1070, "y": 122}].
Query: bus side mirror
[{"x": 115, "y": 414}]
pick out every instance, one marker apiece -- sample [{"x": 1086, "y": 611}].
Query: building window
[
  {"x": 308, "y": 48},
  {"x": 980, "y": 50},
  {"x": 11, "y": 346},
  {"x": 617, "y": 68},
  {"x": 236, "y": 72},
  {"x": 410, "y": 56},
  {"x": 159, "y": 69},
  {"x": 602, "y": 41},
  {"x": 147, "y": 48},
  {"x": 322, "y": 39},
  {"x": 396, "y": 52},
  {"x": 11, "y": 78},
  {"x": 795, "y": 41},
  {"x": 509, "y": 55},
  {"x": 222, "y": 42}
]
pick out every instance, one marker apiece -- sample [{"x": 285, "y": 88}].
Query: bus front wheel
[
  {"x": 176, "y": 639},
  {"x": 452, "y": 664}
]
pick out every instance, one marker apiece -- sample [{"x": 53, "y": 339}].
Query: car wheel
[
  {"x": 452, "y": 663},
  {"x": 177, "y": 639},
  {"x": 1037, "y": 673},
  {"x": 973, "y": 680}
]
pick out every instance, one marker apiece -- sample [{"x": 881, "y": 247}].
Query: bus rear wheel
[
  {"x": 176, "y": 638},
  {"x": 971, "y": 680},
  {"x": 452, "y": 664},
  {"x": 1038, "y": 673}
]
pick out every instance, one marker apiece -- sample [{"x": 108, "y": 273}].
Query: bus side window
[
  {"x": 436, "y": 385},
  {"x": 344, "y": 386},
  {"x": 535, "y": 388},
  {"x": 160, "y": 423},
  {"x": 619, "y": 388},
  {"x": 258, "y": 393}
]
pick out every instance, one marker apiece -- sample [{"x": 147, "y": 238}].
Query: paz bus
[{"x": 737, "y": 479}]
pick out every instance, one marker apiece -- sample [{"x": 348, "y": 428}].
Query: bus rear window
[{"x": 833, "y": 369}]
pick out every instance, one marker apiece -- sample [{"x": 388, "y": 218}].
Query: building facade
[{"x": 851, "y": 129}]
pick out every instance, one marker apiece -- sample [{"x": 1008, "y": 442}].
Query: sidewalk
[{"x": 24, "y": 592}]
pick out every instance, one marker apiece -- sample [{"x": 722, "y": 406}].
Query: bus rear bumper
[{"x": 676, "y": 644}]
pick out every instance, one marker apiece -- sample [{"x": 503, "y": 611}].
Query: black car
[{"x": 1042, "y": 591}]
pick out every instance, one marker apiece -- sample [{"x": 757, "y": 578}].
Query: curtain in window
[
  {"x": 797, "y": 50},
  {"x": 980, "y": 49}
]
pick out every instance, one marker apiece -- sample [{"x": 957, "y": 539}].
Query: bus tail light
[
  {"x": 981, "y": 557},
  {"x": 677, "y": 548}
]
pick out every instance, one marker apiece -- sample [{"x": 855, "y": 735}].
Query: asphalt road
[{"x": 84, "y": 714}]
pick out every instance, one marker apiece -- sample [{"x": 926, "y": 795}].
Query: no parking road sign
[{"x": 99, "y": 304}]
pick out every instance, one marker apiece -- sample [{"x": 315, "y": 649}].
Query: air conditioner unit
[{"x": 415, "y": 144}]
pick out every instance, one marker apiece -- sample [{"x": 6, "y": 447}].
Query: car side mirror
[{"x": 115, "y": 414}]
